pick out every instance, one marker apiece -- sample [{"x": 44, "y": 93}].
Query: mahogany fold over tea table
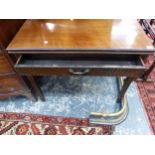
[{"x": 82, "y": 47}]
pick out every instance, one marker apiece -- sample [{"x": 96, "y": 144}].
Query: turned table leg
[
  {"x": 124, "y": 88},
  {"x": 35, "y": 87}
]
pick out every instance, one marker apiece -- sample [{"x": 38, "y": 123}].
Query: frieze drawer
[{"x": 130, "y": 66}]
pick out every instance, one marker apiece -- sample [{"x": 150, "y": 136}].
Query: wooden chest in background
[{"x": 11, "y": 84}]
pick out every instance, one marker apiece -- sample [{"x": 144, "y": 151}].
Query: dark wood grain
[
  {"x": 130, "y": 66},
  {"x": 11, "y": 83},
  {"x": 5, "y": 67},
  {"x": 8, "y": 29}
]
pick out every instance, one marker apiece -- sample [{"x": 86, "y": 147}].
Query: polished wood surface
[{"x": 80, "y": 34}]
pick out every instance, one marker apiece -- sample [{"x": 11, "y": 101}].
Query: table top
[{"x": 50, "y": 34}]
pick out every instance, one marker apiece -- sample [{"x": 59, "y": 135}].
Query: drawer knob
[{"x": 79, "y": 71}]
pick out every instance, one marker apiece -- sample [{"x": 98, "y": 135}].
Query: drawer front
[
  {"x": 5, "y": 67},
  {"x": 132, "y": 67},
  {"x": 10, "y": 84},
  {"x": 80, "y": 71}
]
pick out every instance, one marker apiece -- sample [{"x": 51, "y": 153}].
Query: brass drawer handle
[{"x": 78, "y": 72}]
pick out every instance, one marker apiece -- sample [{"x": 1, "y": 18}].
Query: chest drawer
[
  {"x": 9, "y": 84},
  {"x": 5, "y": 67}
]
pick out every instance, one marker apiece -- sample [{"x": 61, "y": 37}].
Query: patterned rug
[
  {"x": 32, "y": 124},
  {"x": 147, "y": 93}
]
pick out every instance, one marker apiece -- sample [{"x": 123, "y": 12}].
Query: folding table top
[{"x": 80, "y": 34}]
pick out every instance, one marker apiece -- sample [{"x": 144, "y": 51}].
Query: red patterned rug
[
  {"x": 147, "y": 93},
  {"x": 33, "y": 124}
]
